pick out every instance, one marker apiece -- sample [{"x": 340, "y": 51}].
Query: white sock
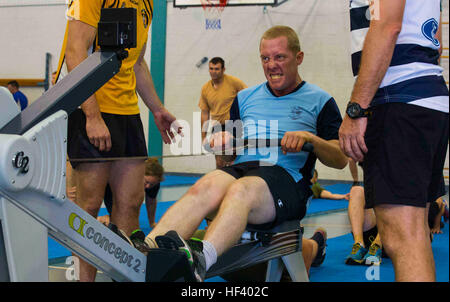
[{"x": 210, "y": 254}]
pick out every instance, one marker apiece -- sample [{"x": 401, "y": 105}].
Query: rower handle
[
  {"x": 307, "y": 147},
  {"x": 254, "y": 143}
]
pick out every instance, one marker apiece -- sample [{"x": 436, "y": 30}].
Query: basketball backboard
[{"x": 192, "y": 3}]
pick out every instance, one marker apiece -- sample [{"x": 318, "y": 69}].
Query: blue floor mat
[
  {"x": 319, "y": 205},
  {"x": 177, "y": 180},
  {"x": 333, "y": 269}
]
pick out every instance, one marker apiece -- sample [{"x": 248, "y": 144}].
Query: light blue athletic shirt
[{"x": 266, "y": 116}]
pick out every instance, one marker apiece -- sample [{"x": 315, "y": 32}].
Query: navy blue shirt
[{"x": 21, "y": 99}]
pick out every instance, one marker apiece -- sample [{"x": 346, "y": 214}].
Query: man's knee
[
  {"x": 357, "y": 192},
  {"x": 91, "y": 208},
  {"x": 206, "y": 192},
  {"x": 401, "y": 225},
  {"x": 129, "y": 203},
  {"x": 244, "y": 192}
]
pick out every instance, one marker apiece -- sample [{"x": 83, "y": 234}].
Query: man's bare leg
[
  {"x": 406, "y": 241},
  {"x": 127, "y": 185},
  {"x": 353, "y": 170},
  {"x": 248, "y": 200},
  {"x": 91, "y": 182},
  {"x": 356, "y": 213},
  {"x": 309, "y": 252},
  {"x": 150, "y": 206},
  {"x": 187, "y": 213}
]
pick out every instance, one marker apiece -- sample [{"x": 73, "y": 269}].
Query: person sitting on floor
[
  {"x": 438, "y": 210},
  {"x": 319, "y": 192}
]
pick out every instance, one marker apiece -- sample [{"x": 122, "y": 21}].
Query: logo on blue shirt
[
  {"x": 429, "y": 29},
  {"x": 295, "y": 112}
]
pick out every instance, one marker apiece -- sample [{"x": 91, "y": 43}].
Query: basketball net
[{"x": 213, "y": 10}]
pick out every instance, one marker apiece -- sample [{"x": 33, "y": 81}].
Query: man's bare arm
[
  {"x": 79, "y": 39},
  {"x": 378, "y": 50},
  {"x": 146, "y": 89}
]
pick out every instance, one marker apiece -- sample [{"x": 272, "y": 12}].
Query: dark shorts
[
  {"x": 127, "y": 137},
  {"x": 289, "y": 197},
  {"x": 407, "y": 145}
]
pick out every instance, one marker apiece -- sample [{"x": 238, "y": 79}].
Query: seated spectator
[{"x": 319, "y": 192}]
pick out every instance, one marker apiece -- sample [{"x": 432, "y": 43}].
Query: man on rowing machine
[{"x": 269, "y": 185}]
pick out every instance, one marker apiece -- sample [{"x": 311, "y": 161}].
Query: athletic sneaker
[
  {"x": 193, "y": 249},
  {"x": 320, "y": 236},
  {"x": 357, "y": 255},
  {"x": 373, "y": 257},
  {"x": 136, "y": 239}
]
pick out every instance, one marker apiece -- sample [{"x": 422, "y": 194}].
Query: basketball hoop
[{"x": 213, "y": 10}]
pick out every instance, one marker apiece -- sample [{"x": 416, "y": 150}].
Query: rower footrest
[
  {"x": 250, "y": 253},
  {"x": 164, "y": 265}
]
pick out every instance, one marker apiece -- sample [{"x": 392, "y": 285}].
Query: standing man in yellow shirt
[
  {"x": 216, "y": 99},
  {"x": 108, "y": 124}
]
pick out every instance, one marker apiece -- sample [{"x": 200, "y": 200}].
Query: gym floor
[{"x": 336, "y": 223}]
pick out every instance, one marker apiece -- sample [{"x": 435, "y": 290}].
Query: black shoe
[
  {"x": 320, "y": 236},
  {"x": 137, "y": 239},
  {"x": 192, "y": 248},
  {"x": 119, "y": 232}
]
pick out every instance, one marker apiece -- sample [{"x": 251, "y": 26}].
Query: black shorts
[
  {"x": 127, "y": 137},
  {"x": 289, "y": 197},
  {"x": 407, "y": 145}
]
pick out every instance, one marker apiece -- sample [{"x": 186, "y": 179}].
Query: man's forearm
[
  {"x": 73, "y": 58},
  {"x": 328, "y": 152},
  {"x": 377, "y": 54},
  {"x": 145, "y": 87}
]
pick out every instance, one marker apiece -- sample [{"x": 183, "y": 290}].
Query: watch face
[{"x": 353, "y": 110}]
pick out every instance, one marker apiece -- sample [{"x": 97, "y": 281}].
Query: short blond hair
[{"x": 283, "y": 31}]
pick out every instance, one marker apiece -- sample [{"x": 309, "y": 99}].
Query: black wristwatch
[{"x": 355, "y": 111}]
